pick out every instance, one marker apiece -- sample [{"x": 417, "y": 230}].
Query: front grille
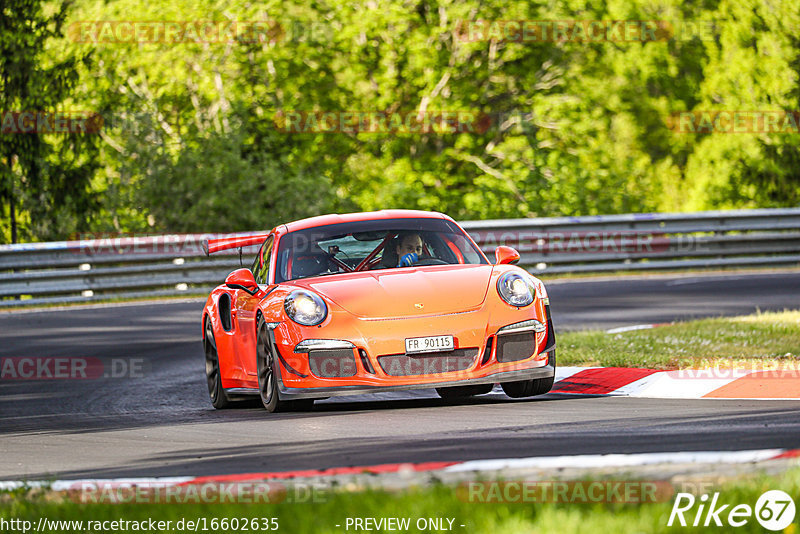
[
  {"x": 336, "y": 363},
  {"x": 431, "y": 363},
  {"x": 515, "y": 347}
]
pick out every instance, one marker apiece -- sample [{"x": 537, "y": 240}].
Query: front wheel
[
  {"x": 267, "y": 369},
  {"x": 531, "y": 388}
]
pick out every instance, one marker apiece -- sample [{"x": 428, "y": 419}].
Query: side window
[{"x": 260, "y": 266}]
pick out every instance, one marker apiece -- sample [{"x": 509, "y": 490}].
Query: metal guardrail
[{"x": 126, "y": 267}]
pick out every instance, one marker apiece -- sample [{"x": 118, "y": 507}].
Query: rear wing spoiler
[{"x": 211, "y": 246}]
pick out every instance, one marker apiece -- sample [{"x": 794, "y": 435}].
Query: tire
[
  {"x": 219, "y": 399},
  {"x": 530, "y": 388},
  {"x": 462, "y": 392},
  {"x": 267, "y": 368}
]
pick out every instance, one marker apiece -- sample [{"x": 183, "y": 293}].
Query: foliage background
[{"x": 190, "y": 143}]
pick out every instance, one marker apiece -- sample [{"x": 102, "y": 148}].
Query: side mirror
[
  {"x": 242, "y": 279},
  {"x": 506, "y": 255}
]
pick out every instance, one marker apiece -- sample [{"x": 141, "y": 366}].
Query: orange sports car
[{"x": 369, "y": 302}]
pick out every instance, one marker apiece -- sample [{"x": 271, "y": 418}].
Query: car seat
[{"x": 389, "y": 257}]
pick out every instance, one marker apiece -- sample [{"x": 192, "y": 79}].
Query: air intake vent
[
  {"x": 365, "y": 361},
  {"x": 332, "y": 363},
  {"x": 487, "y": 352},
  {"x": 515, "y": 347},
  {"x": 225, "y": 312}
]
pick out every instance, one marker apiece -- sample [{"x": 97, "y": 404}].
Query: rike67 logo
[{"x": 774, "y": 510}]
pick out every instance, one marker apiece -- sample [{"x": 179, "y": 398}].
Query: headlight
[
  {"x": 515, "y": 289},
  {"x": 305, "y": 307}
]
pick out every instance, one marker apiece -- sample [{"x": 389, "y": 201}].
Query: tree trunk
[{"x": 13, "y": 215}]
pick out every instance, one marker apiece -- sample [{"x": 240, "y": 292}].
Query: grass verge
[
  {"x": 767, "y": 340},
  {"x": 578, "y": 515}
]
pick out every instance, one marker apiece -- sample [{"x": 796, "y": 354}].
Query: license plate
[{"x": 429, "y": 344}]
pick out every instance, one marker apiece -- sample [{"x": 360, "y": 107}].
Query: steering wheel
[{"x": 431, "y": 261}]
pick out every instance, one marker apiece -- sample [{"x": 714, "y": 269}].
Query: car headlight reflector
[
  {"x": 305, "y": 308},
  {"x": 515, "y": 289},
  {"x": 532, "y": 325}
]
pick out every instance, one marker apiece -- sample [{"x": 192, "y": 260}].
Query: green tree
[
  {"x": 754, "y": 65},
  {"x": 44, "y": 179},
  {"x": 576, "y": 127}
]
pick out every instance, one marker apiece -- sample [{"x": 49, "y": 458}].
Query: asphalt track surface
[{"x": 161, "y": 423}]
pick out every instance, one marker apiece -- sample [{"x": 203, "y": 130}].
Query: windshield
[{"x": 371, "y": 245}]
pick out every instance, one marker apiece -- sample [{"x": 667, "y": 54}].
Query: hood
[{"x": 401, "y": 292}]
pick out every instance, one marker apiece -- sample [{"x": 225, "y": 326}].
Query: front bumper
[
  {"x": 288, "y": 393},
  {"x": 365, "y": 346}
]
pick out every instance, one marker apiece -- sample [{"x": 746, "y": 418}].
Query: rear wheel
[
  {"x": 531, "y": 388},
  {"x": 267, "y": 367},
  {"x": 461, "y": 392},
  {"x": 215, "y": 392}
]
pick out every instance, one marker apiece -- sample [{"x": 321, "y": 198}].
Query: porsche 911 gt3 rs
[{"x": 369, "y": 302}]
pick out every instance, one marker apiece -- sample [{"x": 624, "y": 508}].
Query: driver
[{"x": 409, "y": 249}]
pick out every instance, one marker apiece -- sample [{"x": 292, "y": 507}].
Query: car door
[{"x": 245, "y": 308}]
